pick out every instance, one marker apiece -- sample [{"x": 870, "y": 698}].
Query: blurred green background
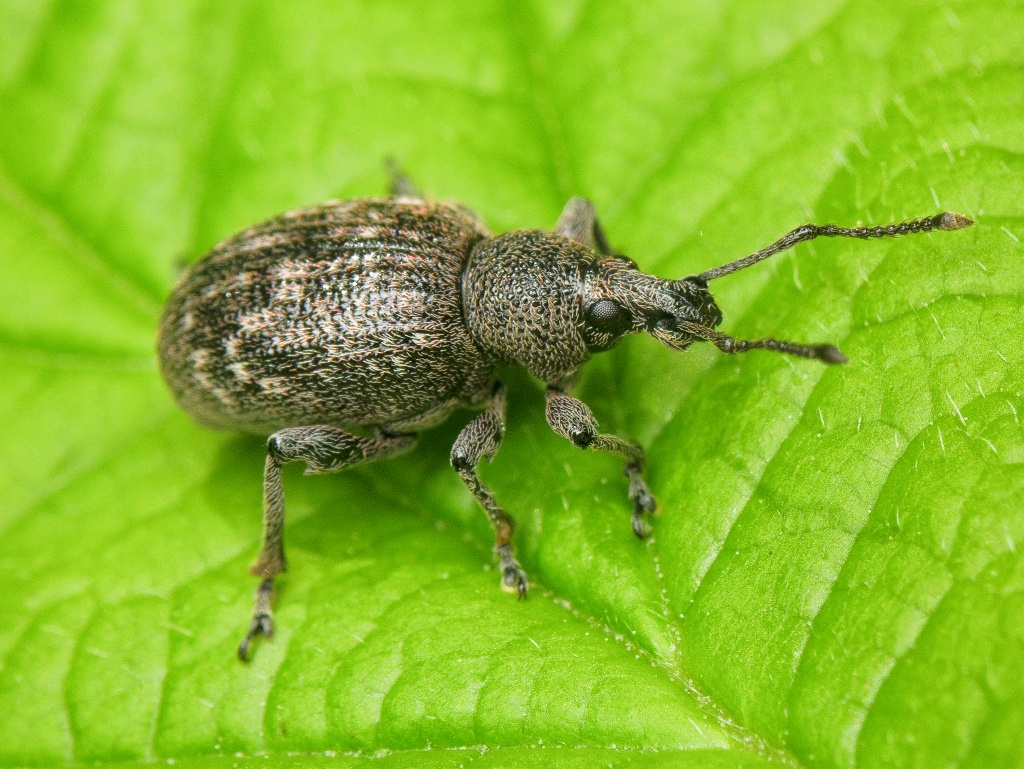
[{"x": 835, "y": 577}]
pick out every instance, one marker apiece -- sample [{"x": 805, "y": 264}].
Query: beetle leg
[
  {"x": 478, "y": 440},
  {"x": 572, "y": 419},
  {"x": 400, "y": 185},
  {"x": 324, "y": 449},
  {"x": 579, "y": 222}
]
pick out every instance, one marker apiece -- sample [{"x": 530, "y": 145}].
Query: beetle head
[{"x": 618, "y": 299}]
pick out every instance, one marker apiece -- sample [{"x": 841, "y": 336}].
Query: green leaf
[{"x": 836, "y": 576}]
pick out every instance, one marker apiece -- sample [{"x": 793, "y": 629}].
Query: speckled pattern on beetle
[{"x": 340, "y": 331}]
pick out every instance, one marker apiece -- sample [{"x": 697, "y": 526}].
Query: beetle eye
[{"x": 609, "y": 316}]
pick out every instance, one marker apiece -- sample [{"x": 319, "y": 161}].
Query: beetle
[{"x": 342, "y": 330}]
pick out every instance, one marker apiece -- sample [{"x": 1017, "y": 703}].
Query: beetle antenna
[
  {"x": 944, "y": 221},
  {"x": 826, "y": 353}
]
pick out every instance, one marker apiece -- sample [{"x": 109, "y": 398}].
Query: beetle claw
[
  {"x": 262, "y": 625},
  {"x": 513, "y": 578},
  {"x": 640, "y": 527},
  {"x": 516, "y": 582}
]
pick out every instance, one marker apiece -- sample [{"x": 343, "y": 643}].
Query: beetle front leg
[
  {"x": 324, "y": 449},
  {"x": 400, "y": 185},
  {"x": 572, "y": 419},
  {"x": 480, "y": 439},
  {"x": 579, "y": 221}
]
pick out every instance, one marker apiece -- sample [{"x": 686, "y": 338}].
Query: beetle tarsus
[
  {"x": 641, "y": 528},
  {"x": 513, "y": 578},
  {"x": 643, "y": 501},
  {"x": 262, "y": 624}
]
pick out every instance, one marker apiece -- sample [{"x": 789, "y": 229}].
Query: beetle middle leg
[
  {"x": 579, "y": 221},
  {"x": 480, "y": 439},
  {"x": 572, "y": 419},
  {"x": 324, "y": 449}
]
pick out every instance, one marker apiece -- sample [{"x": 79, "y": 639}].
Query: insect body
[{"x": 340, "y": 331}]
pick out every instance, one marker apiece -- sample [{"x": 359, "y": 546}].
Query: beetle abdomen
[{"x": 347, "y": 313}]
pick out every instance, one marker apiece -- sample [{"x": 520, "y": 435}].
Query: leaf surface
[{"x": 835, "y": 577}]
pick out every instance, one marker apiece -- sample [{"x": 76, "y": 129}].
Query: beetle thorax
[{"x": 522, "y": 303}]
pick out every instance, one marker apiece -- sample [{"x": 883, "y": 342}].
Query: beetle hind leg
[
  {"x": 324, "y": 449},
  {"x": 478, "y": 440}
]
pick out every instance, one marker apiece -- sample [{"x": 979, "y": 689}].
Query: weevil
[{"x": 340, "y": 331}]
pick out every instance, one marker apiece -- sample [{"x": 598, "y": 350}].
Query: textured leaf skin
[{"x": 836, "y": 575}]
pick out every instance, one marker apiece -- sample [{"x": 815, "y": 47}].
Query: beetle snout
[{"x": 701, "y": 306}]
